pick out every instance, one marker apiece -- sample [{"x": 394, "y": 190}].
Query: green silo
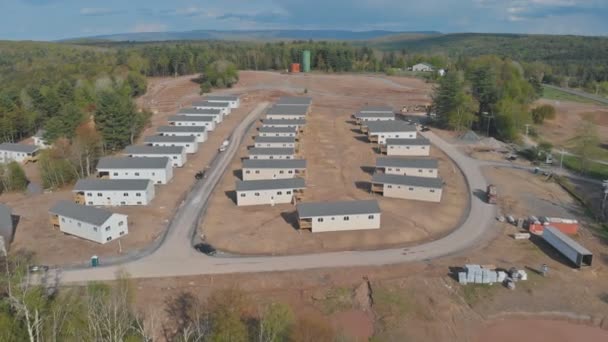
[{"x": 306, "y": 61}]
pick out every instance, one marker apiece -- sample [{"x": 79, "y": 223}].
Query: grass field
[
  {"x": 595, "y": 170},
  {"x": 556, "y": 94}
]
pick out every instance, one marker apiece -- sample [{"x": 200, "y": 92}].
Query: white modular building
[
  {"x": 418, "y": 147},
  {"x": 177, "y": 154},
  {"x": 264, "y": 142},
  {"x": 199, "y": 132},
  {"x": 277, "y": 132},
  {"x": 287, "y": 112},
  {"x": 294, "y": 101},
  {"x": 233, "y": 100},
  {"x": 408, "y": 187},
  {"x": 256, "y": 169},
  {"x": 296, "y": 124},
  {"x": 187, "y": 142},
  {"x": 19, "y": 153},
  {"x": 223, "y": 107},
  {"x": 377, "y": 109},
  {"x": 158, "y": 169},
  {"x": 216, "y": 114},
  {"x": 39, "y": 139},
  {"x": 379, "y": 131},
  {"x": 339, "y": 216},
  {"x": 89, "y": 223},
  {"x": 190, "y": 120},
  {"x": 422, "y": 67},
  {"x": 269, "y": 192},
  {"x": 272, "y": 153},
  {"x": 416, "y": 167},
  {"x": 362, "y": 118},
  {"x": 114, "y": 192}
]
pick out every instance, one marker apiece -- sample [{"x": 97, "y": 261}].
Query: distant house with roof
[
  {"x": 224, "y": 107},
  {"x": 216, "y": 114},
  {"x": 191, "y": 120},
  {"x": 262, "y": 142},
  {"x": 158, "y": 169},
  {"x": 256, "y": 169},
  {"x": 422, "y": 67},
  {"x": 265, "y": 131},
  {"x": 272, "y": 153},
  {"x": 339, "y": 216},
  {"x": 379, "y": 131},
  {"x": 233, "y": 100},
  {"x": 374, "y": 116},
  {"x": 288, "y": 112},
  {"x": 420, "y": 146},
  {"x": 269, "y": 192},
  {"x": 19, "y": 153},
  {"x": 114, "y": 192},
  {"x": 417, "y": 167},
  {"x": 304, "y": 101},
  {"x": 296, "y": 124},
  {"x": 89, "y": 223},
  {"x": 39, "y": 139},
  {"x": 408, "y": 187},
  {"x": 187, "y": 142},
  {"x": 177, "y": 154},
  {"x": 377, "y": 109},
  {"x": 200, "y": 132}
]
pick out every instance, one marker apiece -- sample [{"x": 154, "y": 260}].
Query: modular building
[
  {"x": 377, "y": 109},
  {"x": 296, "y": 124},
  {"x": 380, "y": 131},
  {"x": 408, "y": 166},
  {"x": 224, "y": 107},
  {"x": 184, "y": 131},
  {"x": 177, "y": 154},
  {"x": 294, "y": 101},
  {"x": 287, "y": 112},
  {"x": 233, "y": 100},
  {"x": 187, "y": 142},
  {"x": 272, "y": 153},
  {"x": 275, "y": 191},
  {"x": 569, "y": 248},
  {"x": 277, "y": 132},
  {"x": 89, "y": 223},
  {"x": 190, "y": 120},
  {"x": 339, "y": 216},
  {"x": 256, "y": 169},
  {"x": 114, "y": 192},
  {"x": 363, "y": 118},
  {"x": 418, "y": 147},
  {"x": 216, "y": 114},
  {"x": 19, "y": 153},
  {"x": 6, "y": 228},
  {"x": 158, "y": 169},
  {"x": 262, "y": 142},
  {"x": 408, "y": 187}
]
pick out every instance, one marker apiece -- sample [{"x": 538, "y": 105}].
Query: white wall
[
  {"x": 177, "y": 160},
  {"x": 404, "y": 150},
  {"x": 412, "y": 193},
  {"x": 275, "y": 144},
  {"x": 216, "y": 118},
  {"x": 209, "y": 125},
  {"x": 158, "y": 176},
  {"x": 284, "y": 116},
  {"x": 295, "y": 127},
  {"x": 257, "y": 174},
  {"x": 200, "y": 137},
  {"x": 9, "y": 156},
  {"x": 394, "y": 135},
  {"x": 339, "y": 223},
  {"x": 264, "y": 157},
  {"x": 262, "y": 197},
  {"x": 411, "y": 171},
  {"x": 115, "y": 227},
  {"x": 119, "y": 198},
  {"x": 285, "y": 134},
  {"x": 189, "y": 147},
  {"x": 368, "y": 119},
  {"x": 223, "y": 110}
]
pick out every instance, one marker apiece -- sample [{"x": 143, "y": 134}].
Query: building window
[
  {"x": 89, "y": 194},
  {"x": 174, "y": 157},
  {"x": 320, "y": 219},
  {"x": 411, "y": 189},
  {"x": 346, "y": 218},
  {"x": 407, "y": 147},
  {"x": 137, "y": 173},
  {"x": 99, "y": 194},
  {"x": 62, "y": 219},
  {"x": 122, "y": 233},
  {"x": 257, "y": 172},
  {"x": 79, "y": 224},
  {"x": 279, "y": 193},
  {"x": 94, "y": 229},
  {"x": 243, "y": 195},
  {"x": 139, "y": 202},
  {"x": 123, "y": 203},
  {"x": 247, "y": 172},
  {"x": 288, "y": 192},
  {"x": 281, "y": 172},
  {"x": 107, "y": 228},
  {"x": 257, "y": 194},
  {"x": 138, "y": 194},
  {"x": 419, "y": 171},
  {"x": 115, "y": 173},
  {"x": 153, "y": 173},
  {"x": 371, "y": 217},
  {"x": 109, "y": 238},
  {"x": 432, "y": 190},
  {"x": 126, "y": 194},
  {"x": 290, "y": 171},
  {"x": 90, "y": 203},
  {"x": 389, "y": 186}
]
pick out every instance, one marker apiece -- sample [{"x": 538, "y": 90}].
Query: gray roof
[
  {"x": 211, "y": 104},
  {"x": 420, "y": 141},
  {"x": 190, "y": 118},
  {"x": 221, "y": 98},
  {"x": 374, "y": 115},
  {"x": 270, "y": 184},
  {"x": 266, "y": 129},
  {"x": 568, "y": 240},
  {"x": 422, "y": 163},
  {"x": 294, "y": 101},
  {"x": 111, "y": 184},
  {"x": 436, "y": 183},
  {"x": 376, "y": 109},
  {"x": 6, "y": 223},
  {"x": 287, "y": 110},
  {"x": 82, "y": 213},
  {"x": 271, "y": 151},
  {"x": 169, "y": 139},
  {"x": 275, "y": 139},
  {"x": 306, "y": 210},
  {"x": 132, "y": 163},
  {"x": 274, "y": 164},
  {"x": 295, "y": 122},
  {"x": 389, "y": 126},
  {"x": 181, "y": 129},
  {"x": 194, "y": 111},
  {"x": 18, "y": 148},
  {"x": 144, "y": 149}
]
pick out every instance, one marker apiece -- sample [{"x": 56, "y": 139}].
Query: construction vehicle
[{"x": 491, "y": 194}]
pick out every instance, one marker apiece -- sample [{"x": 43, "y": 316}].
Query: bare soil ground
[{"x": 339, "y": 162}]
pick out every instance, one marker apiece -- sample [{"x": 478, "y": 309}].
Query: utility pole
[
  {"x": 527, "y": 129},
  {"x": 561, "y": 160},
  {"x": 490, "y": 117}
]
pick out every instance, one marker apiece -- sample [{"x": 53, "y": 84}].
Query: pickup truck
[{"x": 224, "y": 145}]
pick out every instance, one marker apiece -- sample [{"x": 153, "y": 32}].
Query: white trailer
[{"x": 569, "y": 248}]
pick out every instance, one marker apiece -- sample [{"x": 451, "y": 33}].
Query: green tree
[
  {"x": 137, "y": 83},
  {"x": 453, "y": 105},
  {"x": 17, "y": 180},
  {"x": 275, "y": 323},
  {"x": 226, "y": 308},
  {"x": 543, "y": 112},
  {"x": 117, "y": 119}
]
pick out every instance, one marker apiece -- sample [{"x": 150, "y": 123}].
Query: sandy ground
[
  {"x": 540, "y": 330},
  {"x": 339, "y": 162}
]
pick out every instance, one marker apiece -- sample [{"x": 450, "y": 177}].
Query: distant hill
[{"x": 259, "y": 35}]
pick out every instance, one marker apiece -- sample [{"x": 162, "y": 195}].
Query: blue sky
[{"x": 56, "y": 19}]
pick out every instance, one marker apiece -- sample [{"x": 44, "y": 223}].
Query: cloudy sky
[{"x": 56, "y": 19}]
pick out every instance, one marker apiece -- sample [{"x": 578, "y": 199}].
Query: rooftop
[
  {"x": 132, "y": 163},
  {"x": 211, "y": 104},
  {"x": 287, "y": 110},
  {"x": 389, "y": 127},
  {"x": 421, "y": 163},
  {"x": 307, "y": 210},
  {"x": 221, "y": 98},
  {"x": 436, "y": 183},
  {"x": 569, "y": 241},
  {"x": 274, "y": 163},
  {"x": 181, "y": 129},
  {"x": 376, "y": 109},
  {"x": 170, "y": 139},
  {"x": 144, "y": 149},
  {"x": 111, "y": 184},
  {"x": 190, "y": 118},
  {"x": 362, "y": 115},
  {"x": 284, "y": 122},
  {"x": 275, "y": 139},
  {"x": 194, "y": 111},
  {"x": 267, "y": 129},
  {"x": 18, "y": 148},
  {"x": 271, "y": 184},
  {"x": 420, "y": 141},
  {"x": 294, "y": 101},
  {"x": 82, "y": 213},
  {"x": 272, "y": 151}
]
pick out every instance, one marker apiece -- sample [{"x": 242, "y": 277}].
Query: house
[
  {"x": 224, "y": 107},
  {"x": 187, "y": 142},
  {"x": 190, "y": 120},
  {"x": 272, "y": 153},
  {"x": 216, "y": 114},
  {"x": 379, "y": 131},
  {"x": 422, "y": 67},
  {"x": 158, "y": 169},
  {"x": 362, "y": 117},
  {"x": 287, "y": 112},
  {"x": 339, "y": 216},
  {"x": 420, "y": 146},
  {"x": 277, "y": 132},
  {"x": 89, "y": 223},
  {"x": 39, "y": 139},
  {"x": 199, "y": 132},
  {"x": 297, "y": 124},
  {"x": 6, "y": 228},
  {"x": 269, "y": 191},
  {"x": 408, "y": 167},
  {"x": 262, "y": 142},
  {"x": 408, "y": 187},
  {"x": 294, "y": 101},
  {"x": 113, "y": 192},
  {"x": 233, "y": 100},
  {"x": 255, "y": 169},
  {"x": 377, "y": 109},
  {"x": 177, "y": 154},
  {"x": 19, "y": 153}
]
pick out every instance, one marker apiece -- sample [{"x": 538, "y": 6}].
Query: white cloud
[
  {"x": 97, "y": 11},
  {"x": 149, "y": 27}
]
